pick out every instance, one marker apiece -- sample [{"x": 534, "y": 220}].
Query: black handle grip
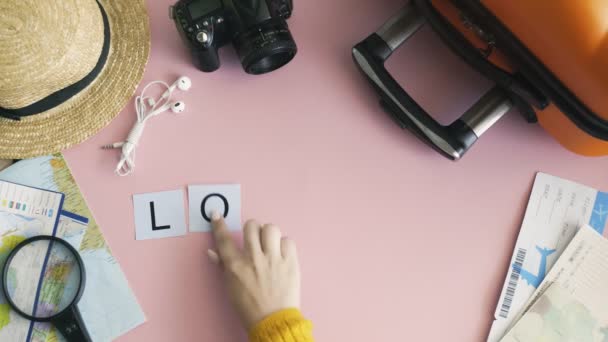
[
  {"x": 71, "y": 325},
  {"x": 452, "y": 140},
  {"x": 206, "y": 59}
]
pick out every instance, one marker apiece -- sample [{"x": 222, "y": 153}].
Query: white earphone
[
  {"x": 145, "y": 112},
  {"x": 175, "y": 107},
  {"x": 178, "y": 107},
  {"x": 183, "y": 83}
]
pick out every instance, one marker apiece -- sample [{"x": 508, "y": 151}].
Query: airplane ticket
[
  {"x": 557, "y": 209},
  {"x": 582, "y": 274}
]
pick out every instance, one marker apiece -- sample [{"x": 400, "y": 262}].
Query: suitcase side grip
[{"x": 452, "y": 140}]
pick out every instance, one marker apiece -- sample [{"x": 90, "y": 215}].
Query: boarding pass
[{"x": 557, "y": 209}]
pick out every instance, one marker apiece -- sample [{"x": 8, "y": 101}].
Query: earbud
[
  {"x": 178, "y": 107},
  {"x": 175, "y": 107},
  {"x": 183, "y": 83}
]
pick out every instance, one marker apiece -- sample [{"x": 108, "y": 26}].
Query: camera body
[{"x": 256, "y": 28}]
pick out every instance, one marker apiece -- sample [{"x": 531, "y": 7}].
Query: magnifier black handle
[{"x": 71, "y": 325}]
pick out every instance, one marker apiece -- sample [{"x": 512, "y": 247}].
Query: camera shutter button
[{"x": 203, "y": 37}]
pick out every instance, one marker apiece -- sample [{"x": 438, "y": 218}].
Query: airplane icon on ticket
[
  {"x": 535, "y": 279},
  {"x": 601, "y": 212}
]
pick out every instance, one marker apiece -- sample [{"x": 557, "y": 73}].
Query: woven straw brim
[{"x": 92, "y": 109}]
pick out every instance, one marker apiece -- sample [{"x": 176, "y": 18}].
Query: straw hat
[{"x": 67, "y": 68}]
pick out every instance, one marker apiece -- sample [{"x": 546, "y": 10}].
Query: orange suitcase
[{"x": 548, "y": 58}]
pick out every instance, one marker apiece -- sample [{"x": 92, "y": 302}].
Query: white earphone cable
[{"x": 126, "y": 165}]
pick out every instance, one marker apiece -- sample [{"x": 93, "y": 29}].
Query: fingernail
[
  {"x": 215, "y": 215},
  {"x": 213, "y": 256}
]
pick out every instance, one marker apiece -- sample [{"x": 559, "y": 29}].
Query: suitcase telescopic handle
[{"x": 452, "y": 140}]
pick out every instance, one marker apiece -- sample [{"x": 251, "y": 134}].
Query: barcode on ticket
[{"x": 513, "y": 281}]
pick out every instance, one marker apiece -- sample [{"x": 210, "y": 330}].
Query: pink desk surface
[{"x": 396, "y": 242}]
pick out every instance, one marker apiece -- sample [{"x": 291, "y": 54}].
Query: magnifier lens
[{"x": 43, "y": 278}]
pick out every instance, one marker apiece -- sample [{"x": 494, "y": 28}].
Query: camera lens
[{"x": 265, "y": 47}]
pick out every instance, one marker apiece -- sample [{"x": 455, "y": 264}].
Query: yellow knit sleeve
[{"x": 284, "y": 326}]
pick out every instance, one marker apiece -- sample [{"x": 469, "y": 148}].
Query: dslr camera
[{"x": 256, "y": 28}]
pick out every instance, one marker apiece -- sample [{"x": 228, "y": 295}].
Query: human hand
[{"x": 264, "y": 277}]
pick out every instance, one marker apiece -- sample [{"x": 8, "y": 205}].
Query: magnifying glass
[{"x": 43, "y": 280}]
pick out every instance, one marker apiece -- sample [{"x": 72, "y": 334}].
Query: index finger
[{"x": 226, "y": 246}]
